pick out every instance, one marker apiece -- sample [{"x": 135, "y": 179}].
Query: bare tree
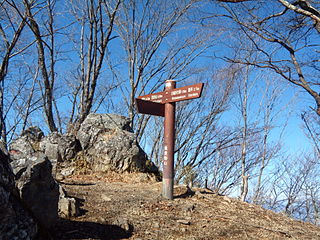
[
  {"x": 271, "y": 108},
  {"x": 311, "y": 126},
  {"x": 152, "y": 51},
  {"x": 244, "y": 113},
  {"x": 96, "y": 20},
  {"x": 293, "y": 27},
  {"x": 47, "y": 72},
  {"x": 10, "y": 33}
]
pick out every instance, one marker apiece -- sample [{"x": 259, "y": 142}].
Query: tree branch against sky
[
  {"x": 158, "y": 42},
  {"x": 10, "y": 34},
  {"x": 294, "y": 30},
  {"x": 97, "y": 22}
]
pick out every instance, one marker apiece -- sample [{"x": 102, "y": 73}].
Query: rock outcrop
[
  {"x": 104, "y": 142},
  {"x": 27, "y": 144},
  {"x": 60, "y": 149},
  {"x": 32, "y": 167},
  {"x": 109, "y": 144},
  {"x": 15, "y": 221},
  {"x": 37, "y": 188},
  {"x": 97, "y": 124}
]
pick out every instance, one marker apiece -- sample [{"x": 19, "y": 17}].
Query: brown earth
[{"x": 130, "y": 207}]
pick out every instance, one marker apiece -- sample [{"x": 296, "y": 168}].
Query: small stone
[
  {"x": 101, "y": 220},
  {"x": 124, "y": 224},
  {"x": 105, "y": 198},
  {"x": 184, "y": 222},
  {"x": 67, "y": 172}
]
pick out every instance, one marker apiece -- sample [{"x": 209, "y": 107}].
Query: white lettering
[
  {"x": 190, "y": 89},
  {"x": 173, "y": 93},
  {"x": 193, "y": 95},
  {"x": 178, "y": 97},
  {"x": 156, "y": 96}
]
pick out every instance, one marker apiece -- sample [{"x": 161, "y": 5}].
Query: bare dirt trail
[{"x": 130, "y": 207}]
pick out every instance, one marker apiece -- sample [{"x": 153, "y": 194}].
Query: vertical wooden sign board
[{"x": 164, "y": 104}]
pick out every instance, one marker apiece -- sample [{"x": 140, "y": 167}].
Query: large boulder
[
  {"x": 15, "y": 220},
  {"x": 35, "y": 158},
  {"x": 60, "y": 149},
  {"x": 32, "y": 169},
  {"x": 96, "y": 124},
  {"x": 37, "y": 189},
  {"x": 110, "y": 145}
]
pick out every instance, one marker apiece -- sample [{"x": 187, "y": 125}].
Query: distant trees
[{"x": 293, "y": 28}]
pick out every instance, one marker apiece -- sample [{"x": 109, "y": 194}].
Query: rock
[
  {"x": 27, "y": 144},
  {"x": 21, "y": 148},
  {"x": 116, "y": 151},
  {"x": 68, "y": 206},
  {"x": 67, "y": 171},
  {"x": 60, "y": 149},
  {"x": 69, "y": 146},
  {"x": 6, "y": 174},
  {"x": 110, "y": 145},
  {"x": 184, "y": 222},
  {"x": 95, "y": 124},
  {"x": 49, "y": 145},
  {"x": 34, "y": 134},
  {"x": 15, "y": 221},
  {"x": 124, "y": 224},
  {"x": 105, "y": 198},
  {"x": 37, "y": 188}
]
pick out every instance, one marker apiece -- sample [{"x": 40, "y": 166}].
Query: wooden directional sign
[
  {"x": 152, "y": 108},
  {"x": 174, "y": 95},
  {"x": 163, "y": 104}
]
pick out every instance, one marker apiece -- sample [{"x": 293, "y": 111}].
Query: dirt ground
[{"x": 130, "y": 207}]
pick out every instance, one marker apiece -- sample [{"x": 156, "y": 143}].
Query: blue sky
[{"x": 294, "y": 138}]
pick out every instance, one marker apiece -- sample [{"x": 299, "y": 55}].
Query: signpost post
[{"x": 163, "y": 104}]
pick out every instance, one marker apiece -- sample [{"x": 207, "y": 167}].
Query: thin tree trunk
[{"x": 244, "y": 185}]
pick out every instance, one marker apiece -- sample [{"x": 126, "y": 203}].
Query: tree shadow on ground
[{"x": 68, "y": 229}]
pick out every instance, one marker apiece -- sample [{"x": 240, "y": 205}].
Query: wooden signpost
[{"x": 163, "y": 104}]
